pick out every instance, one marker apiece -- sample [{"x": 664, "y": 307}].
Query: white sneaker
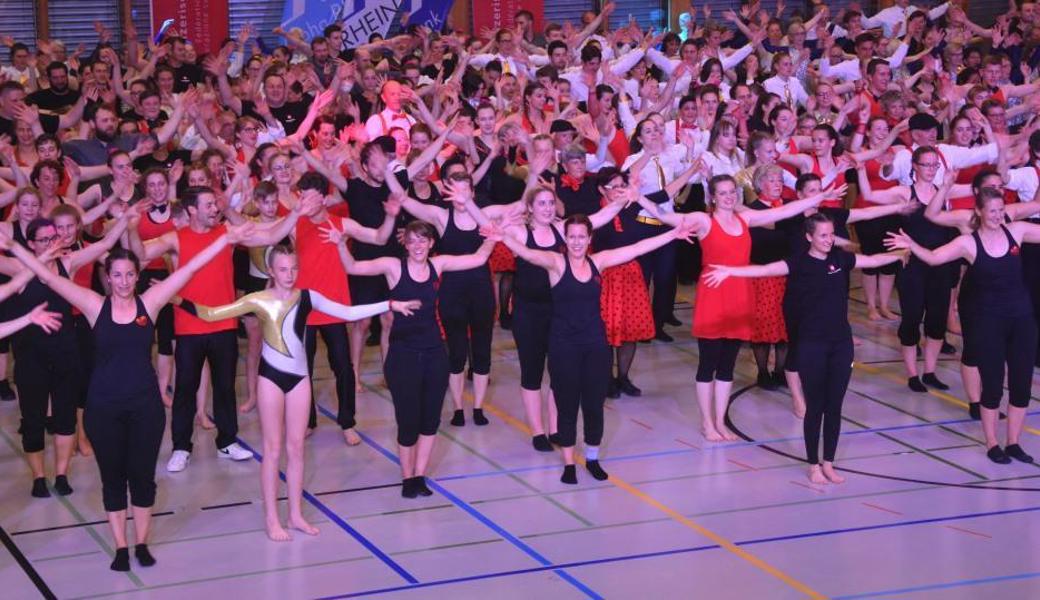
[
  {"x": 234, "y": 452},
  {"x": 178, "y": 461}
]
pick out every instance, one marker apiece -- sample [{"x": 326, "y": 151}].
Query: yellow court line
[
  {"x": 676, "y": 515},
  {"x": 938, "y": 394}
]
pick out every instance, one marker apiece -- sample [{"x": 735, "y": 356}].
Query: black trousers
[
  {"x": 579, "y": 376},
  {"x": 418, "y": 381},
  {"x": 531, "y": 322},
  {"x": 924, "y": 296},
  {"x": 221, "y": 350},
  {"x": 659, "y": 269},
  {"x": 825, "y": 368},
  {"x": 47, "y": 373},
  {"x": 1010, "y": 341},
  {"x": 126, "y": 434},
  {"x": 467, "y": 312},
  {"x": 337, "y": 347}
]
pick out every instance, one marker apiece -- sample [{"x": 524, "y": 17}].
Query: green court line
[
  {"x": 79, "y": 518},
  {"x": 924, "y": 452},
  {"x": 65, "y": 556}
]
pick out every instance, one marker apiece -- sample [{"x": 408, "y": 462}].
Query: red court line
[
  {"x": 690, "y": 444},
  {"x": 807, "y": 486},
  {"x": 742, "y": 465},
  {"x": 968, "y": 531},
  {"x": 881, "y": 508},
  {"x": 640, "y": 423}
]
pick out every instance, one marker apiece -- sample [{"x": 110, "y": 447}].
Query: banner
[
  {"x": 361, "y": 18},
  {"x": 204, "y": 23},
  {"x": 495, "y": 14}
]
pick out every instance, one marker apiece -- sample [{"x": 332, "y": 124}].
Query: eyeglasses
[
  {"x": 47, "y": 240},
  {"x": 250, "y": 129},
  {"x": 280, "y": 168},
  {"x": 616, "y": 186},
  {"x": 933, "y": 165}
]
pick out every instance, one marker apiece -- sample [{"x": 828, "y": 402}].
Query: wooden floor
[{"x": 924, "y": 514}]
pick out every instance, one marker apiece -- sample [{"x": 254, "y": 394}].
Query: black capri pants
[
  {"x": 418, "y": 380},
  {"x": 1007, "y": 341},
  {"x": 924, "y": 296},
  {"x": 466, "y": 307},
  {"x": 579, "y": 375},
  {"x": 126, "y": 434},
  {"x": 531, "y": 322},
  {"x": 717, "y": 359},
  {"x": 47, "y": 372},
  {"x": 969, "y": 332},
  {"x": 164, "y": 320},
  {"x": 825, "y": 373},
  {"x": 872, "y": 241},
  {"x": 337, "y": 347}
]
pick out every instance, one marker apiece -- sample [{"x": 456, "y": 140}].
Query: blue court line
[
  {"x": 515, "y": 541},
  {"x": 940, "y": 586},
  {"x": 688, "y": 550},
  {"x": 712, "y": 448},
  {"x": 342, "y": 524}
]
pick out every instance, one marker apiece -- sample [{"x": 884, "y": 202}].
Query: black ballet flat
[
  {"x": 673, "y": 321},
  {"x": 408, "y": 488},
  {"x": 766, "y": 382},
  {"x": 541, "y": 443},
  {"x": 779, "y": 380},
  {"x": 570, "y": 475},
  {"x": 947, "y": 349},
  {"x": 1016, "y": 452},
  {"x": 39, "y": 488},
  {"x": 914, "y": 383},
  {"x": 613, "y": 391},
  {"x": 628, "y": 388},
  {"x": 420, "y": 486},
  {"x": 458, "y": 419},
  {"x": 975, "y": 411},
  {"x": 931, "y": 380},
  {"x": 661, "y": 336},
  {"x": 61, "y": 486},
  {"x": 554, "y": 439},
  {"x": 997, "y": 455}
]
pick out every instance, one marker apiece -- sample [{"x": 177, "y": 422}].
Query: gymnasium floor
[{"x": 924, "y": 514}]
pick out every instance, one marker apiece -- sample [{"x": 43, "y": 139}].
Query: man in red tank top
[
  {"x": 322, "y": 270},
  {"x": 197, "y": 340}
]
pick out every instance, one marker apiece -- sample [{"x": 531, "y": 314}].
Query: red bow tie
[
  {"x": 399, "y": 115},
  {"x": 570, "y": 182},
  {"x": 772, "y": 202},
  {"x": 687, "y": 125}
]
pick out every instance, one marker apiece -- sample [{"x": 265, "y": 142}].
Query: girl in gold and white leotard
[{"x": 284, "y": 388}]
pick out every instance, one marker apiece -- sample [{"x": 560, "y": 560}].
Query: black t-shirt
[
  {"x": 144, "y": 163},
  {"x": 794, "y": 228},
  {"x": 48, "y": 122},
  {"x": 768, "y": 244},
  {"x": 186, "y": 75},
  {"x": 816, "y": 302},
  {"x": 48, "y": 100},
  {"x": 366, "y": 207},
  {"x": 290, "y": 114}
]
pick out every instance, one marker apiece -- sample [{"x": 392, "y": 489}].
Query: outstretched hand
[
  {"x": 405, "y": 307},
  {"x": 716, "y": 275},
  {"x": 45, "y": 319},
  {"x": 898, "y": 240}
]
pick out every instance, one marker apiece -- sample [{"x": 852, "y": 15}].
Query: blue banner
[{"x": 362, "y": 18}]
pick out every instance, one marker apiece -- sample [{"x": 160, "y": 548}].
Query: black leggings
[
  {"x": 418, "y": 380},
  {"x": 717, "y": 359},
  {"x": 85, "y": 343},
  {"x": 221, "y": 349},
  {"x": 46, "y": 372},
  {"x": 531, "y": 332},
  {"x": 467, "y": 312},
  {"x": 659, "y": 269},
  {"x": 1004, "y": 341},
  {"x": 872, "y": 241},
  {"x": 579, "y": 376},
  {"x": 337, "y": 347},
  {"x": 126, "y": 434},
  {"x": 924, "y": 295},
  {"x": 826, "y": 367}
]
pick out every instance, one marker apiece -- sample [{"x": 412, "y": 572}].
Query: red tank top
[
  {"x": 320, "y": 268},
  {"x": 873, "y": 169},
  {"x": 837, "y": 182},
  {"x": 724, "y": 311},
  {"x": 213, "y": 285},
  {"x": 149, "y": 230}
]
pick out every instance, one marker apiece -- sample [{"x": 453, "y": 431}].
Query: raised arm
[
  {"x": 158, "y": 295},
  {"x": 716, "y": 274},
  {"x": 385, "y": 266},
  {"x": 758, "y": 218},
  {"x": 936, "y": 210},
  {"x": 243, "y": 306},
  {"x": 48, "y": 321},
  {"x": 618, "y": 256},
  {"x": 86, "y": 300},
  {"x": 463, "y": 262},
  {"x": 91, "y": 253},
  {"x": 348, "y": 313},
  {"x": 892, "y": 195},
  {"x": 876, "y": 261},
  {"x": 961, "y": 247}
]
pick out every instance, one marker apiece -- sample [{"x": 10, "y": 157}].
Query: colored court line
[
  {"x": 941, "y": 586},
  {"x": 332, "y": 516},
  {"x": 682, "y": 519},
  {"x": 692, "y": 549},
  {"x": 476, "y": 514}
]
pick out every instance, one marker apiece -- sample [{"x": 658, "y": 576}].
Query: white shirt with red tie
[{"x": 381, "y": 123}]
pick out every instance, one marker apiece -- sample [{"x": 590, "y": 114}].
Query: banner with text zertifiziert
[{"x": 361, "y": 18}]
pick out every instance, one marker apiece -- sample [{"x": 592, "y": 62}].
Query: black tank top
[
  {"x": 923, "y": 231},
  {"x": 18, "y": 236},
  {"x": 998, "y": 283},
  {"x": 35, "y": 293},
  {"x": 458, "y": 242},
  {"x": 576, "y": 318},
  {"x": 419, "y": 331},
  {"x": 531, "y": 282},
  {"x": 123, "y": 356}
]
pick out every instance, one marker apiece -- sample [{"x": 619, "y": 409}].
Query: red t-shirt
[
  {"x": 213, "y": 285},
  {"x": 320, "y": 267}
]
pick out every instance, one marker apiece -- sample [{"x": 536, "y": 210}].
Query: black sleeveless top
[
  {"x": 998, "y": 283},
  {"x": 457, "y": 241},
  {"x": 123, "y": 356},
  {"x": 419, "y": 331},
  {"x": 576, "y": 319},
  {"x": 531, "y": 282},
  {"x": 35, "y": 293},
  {"x": 923, "y": 231}
]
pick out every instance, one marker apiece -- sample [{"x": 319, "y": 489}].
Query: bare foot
[
  {"x": 856, "y": 341},
  {"x": 248, "y": 406},
  {"x": 351, "y": 436},
  {"x": 816, "y": 475},
  {"x": 873, "y": 314},
  {"x": 301, "y": 524},
  {"x": 204, "y": 421},
  {"x": 277, "y": 533},
  {"x": 726, "y": 434},
  {"x": 358, "y": 387},
  {"x": 309, "y": 433},
  {"x": 798, "y": 407},
  {"x": 831, "y": 474},
  {"x": 83, "y": 446},
  {"x": 891, "y": 316},
  {"x": 953, "y": 326},
  {"x": 167, "y": 400},
  {"x": 711, "y": 434}
]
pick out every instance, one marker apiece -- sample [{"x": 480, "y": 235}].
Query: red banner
[
  {"x": 495, "y": 14},
  {"x": 204, "y": 23}
]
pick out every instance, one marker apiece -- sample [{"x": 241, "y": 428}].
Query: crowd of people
[{"x": 413, "y": 192}]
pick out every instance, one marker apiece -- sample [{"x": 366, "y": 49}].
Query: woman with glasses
[{"x": 924, "y": 289}]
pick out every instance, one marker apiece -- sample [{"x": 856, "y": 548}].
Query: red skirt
[
  {"x": 502, "y": 259},
  {"x": 625, "y": 305},
  {"x": 767, "y": 323}
]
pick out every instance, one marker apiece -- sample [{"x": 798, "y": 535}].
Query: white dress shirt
[
  {"x": 889, "y": 17},
  {"x": 382, "y": 122},
  {"x": 580, "y": 90},
  {"x": 950, "y": 157},
  {"x": 849, "y": 70},
  {"x": 790, "y": 90},
  {"x": 658, "y": 172}
]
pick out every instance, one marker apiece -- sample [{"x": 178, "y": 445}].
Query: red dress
[
  {"x": 724, "y": 312},
  {"x": 624, "y": 304},
  {"x": 502, "y": 259},
  {"x": 877, "y": 183},
  {"x": 837, "y": 182}
]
